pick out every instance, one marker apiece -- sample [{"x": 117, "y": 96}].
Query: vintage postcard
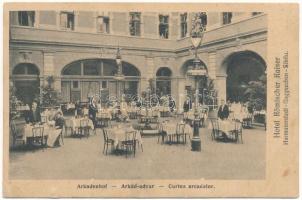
[{"x": 150, "y": 100}]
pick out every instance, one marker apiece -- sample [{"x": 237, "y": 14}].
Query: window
[
  {"x": 164, "y": 26},
  {"x": 183, "y": 25},
  {"x": 203, "y": 20},
  {"x": 26, "y": 18},
  {"x": 256, "y": 13},
  {"x": 104, "y": 84},
  {"x": 26, "y": 69},
  {"x": 73, "y": 69},
  {"x": 164, "y": 71},
  {"x": 92, "y": 67},
  {"x": 226, "y": 17},
  {"x": 135, "y": 24},
  {"x": 75, "y": 84},
  {"x": 67, "y": 20},
  {"x": 103, "y": 24}
]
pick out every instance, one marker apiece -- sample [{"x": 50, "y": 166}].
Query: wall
[{"x": 52, "y": 49}]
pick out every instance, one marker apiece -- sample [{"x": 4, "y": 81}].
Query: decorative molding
[{"x": 25, "y": 56}]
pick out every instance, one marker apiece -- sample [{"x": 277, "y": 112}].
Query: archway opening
[
  {"x": 243, "y": 70},
  {"x": 26, "y": 82},
  {"x": 163, "y": 81},
  {"x": 95, "y": 77},
  {"x": 190, "y": 81}
]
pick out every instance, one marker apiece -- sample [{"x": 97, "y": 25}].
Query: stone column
[
  {"x": 220, "y": 85},
  {"x": 181, "y": 93},
  {"x": 148, "y": 73},
  {"x": 212, "y": 65},
  {"x": 174, "y": 90},
  {"x": 49, "y": 69}
]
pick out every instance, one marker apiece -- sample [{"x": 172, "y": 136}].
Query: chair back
[
  {"x": 159, "y": 126},
  {"x": 180, "y": 128},
  {"x": 38, "y": 131},
  {"x": 215, "y": 125},
  {"x": 238, "y": 126},
  {"x": 130, "y": 135},
  {"x": 13, "y": 128},
  {"x": 44, "y": 119},
  {"x": 105, "y": 134}
]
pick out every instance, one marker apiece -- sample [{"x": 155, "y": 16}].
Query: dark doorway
[{"x": 242, "y": 68}]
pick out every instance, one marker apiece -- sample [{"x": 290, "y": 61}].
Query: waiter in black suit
[
  {"x": 223, "y": 111},
  {"x": 92, "y": 110},
  {"x": 187, "y": 105},
  {"x": 35, "y": 113}
]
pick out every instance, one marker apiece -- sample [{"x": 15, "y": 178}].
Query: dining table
[
  {"x": 228, "y": 126},
  {"x": 51, "y": 132},
  {"x": 149, "y": 113},
  {"x": 104, "y": 114},
  {"x": 171, "y": 127},
  {"x": 118, "y": 134},
  {"x": 75, "y": 123}
]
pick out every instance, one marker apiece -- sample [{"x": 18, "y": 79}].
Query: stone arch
[
  {"x": 189, "y": 64},
  {"x": 25, "y": 77},
  {"x": 247, "y": 53},
  {"x": 239, "y": 69},
  {"x": 95, "y": 76},
  {"x": 128, "y": 68},
  {"x": 26, "y": 69}
]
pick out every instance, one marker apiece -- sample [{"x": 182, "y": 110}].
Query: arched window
[
  {"x": 26, "y": 80},
  {"x": 26, "y": 69},
  {"x": 98, "y": 67},
  {"x": 163, "y": 72},
  {"x": 83, "y": 78}
]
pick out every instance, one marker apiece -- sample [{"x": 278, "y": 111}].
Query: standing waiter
[{"x": 92, "y": 110}]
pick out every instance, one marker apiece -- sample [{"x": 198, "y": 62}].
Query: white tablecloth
[
  {"x": 76, "y": 123},
  {"x": 163, "y": 109},
  {"x": 151, "y": 113},
  {"x": 118, "y": 134},
  {"x": 104, "y": 114},
  {"x": 70, "y": 106},
  {"x": 191, "y": 116},
  {"x": 227, "y": 126},
  {"x": 49, "y": 131},
  {"x": 132, "y": 109},
  {"x": 170, "y": 128}
]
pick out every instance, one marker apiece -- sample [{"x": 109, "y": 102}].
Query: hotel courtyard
[{"x": 137, "y": 95}]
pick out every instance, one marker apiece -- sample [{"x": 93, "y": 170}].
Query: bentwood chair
[
  {"x": 107, "y": 141},
  {"x": 17, "y": 137},
  {"x": 44, "y": 119},
  {"x": 238, "y": 132},
  {"x": 129, "y": 144},
  {"x": 161, "y": 133},
  {"x": 215, "y": 129},
  {"x": 84, "y": 128},
  {"x": 68, "y": 126},
  {"x": 38, "y": 138},
  {"x": 180, "y": 133}
]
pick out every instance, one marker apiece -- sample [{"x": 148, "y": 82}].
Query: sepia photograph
[
  {"x": 137, "y": 90},
  {"x": 105, "y": 94}
]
